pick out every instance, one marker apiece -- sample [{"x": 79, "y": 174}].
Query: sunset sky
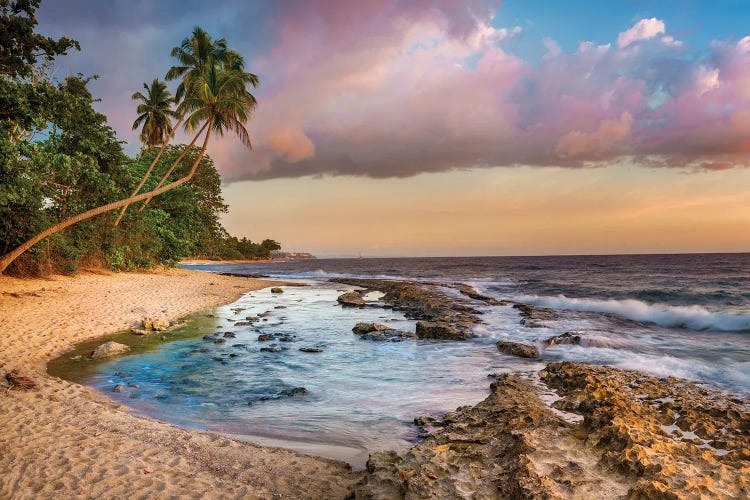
[{"x": 429, "y": 127}]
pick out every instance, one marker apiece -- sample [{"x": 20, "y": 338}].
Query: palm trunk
[
  {"x": 151, "y": 167},
  {"x": 171, "y": 169},
  {"x": 8, "y": 258}
]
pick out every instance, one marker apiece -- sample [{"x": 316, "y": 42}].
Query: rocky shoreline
[
  {"x": 610, "y": 433},
  {"x": 640, "y": 437}
]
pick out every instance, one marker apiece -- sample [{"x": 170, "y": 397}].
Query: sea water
[{"x": 684, "y": 315}]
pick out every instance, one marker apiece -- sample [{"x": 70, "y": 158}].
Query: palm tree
[
  {"x": 155, "y": 113},
  {"x": 197, "y": 56},
  {"x": 218, "y": 101},
  {"x": 193, "y": 55}
]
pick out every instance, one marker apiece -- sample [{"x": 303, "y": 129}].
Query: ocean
[{"x": 668, "y": 315}]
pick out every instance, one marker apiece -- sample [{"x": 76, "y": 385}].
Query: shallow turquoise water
[{"x": 361, "y": 395}]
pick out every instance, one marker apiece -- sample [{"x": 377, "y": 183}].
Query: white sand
[{"x": 63, "y": 440}]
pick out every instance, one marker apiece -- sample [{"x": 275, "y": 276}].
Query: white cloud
[{"x": 642, "y": 30}]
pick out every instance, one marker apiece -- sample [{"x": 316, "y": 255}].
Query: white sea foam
[{"x": 691, "y": 317}]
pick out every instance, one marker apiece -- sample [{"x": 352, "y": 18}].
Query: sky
[{"x": 439, "y": 127}]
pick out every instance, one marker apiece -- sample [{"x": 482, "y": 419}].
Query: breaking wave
[{"x": 693, "y": 317}]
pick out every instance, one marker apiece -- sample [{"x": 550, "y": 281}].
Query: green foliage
[
  {"x": 20, "y": 47},
  {"x": 59, "y": 158}
]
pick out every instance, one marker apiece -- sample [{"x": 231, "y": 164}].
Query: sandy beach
[{"x": 63, "y": 440}]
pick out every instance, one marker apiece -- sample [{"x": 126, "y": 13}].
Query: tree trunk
[
  {"x": 171, "y": 169},
  {"x": 151, "y": 167},
  {"x": 8, "y": 258}
]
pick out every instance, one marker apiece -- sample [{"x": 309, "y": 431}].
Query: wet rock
[
  {"x": 272, "y": 348},
  {"x": 279, "y": 307},
  {"x": 378, "y": 332},
  {"x": 244, "y": 323},
  {"x": 239, "y": 346},
  {"x": 311, "y": 349},
  {"x": 219, "y": 341},
  {"x": 233, "y": 355},
  {"x": 485, "y": 450},
  {"x": 427, "y": 302},
  {"x": 567, "y": 338},
  {"x": 439, "y": 330},
  {"x": 108, "y": 349},
  {"x": 229, "y": 335},
  {"x": 533, "y": 316},
  {"x": 351, "y": 299},
  {"x": 220, "y": 360},
  {"x": 265, "y": 337},
  {"x": 296, "y": 391},
  {"x": 518, "y": 349},
  {"x": 140, "y": 331},
  {"x": 209, "y": 337},
  {"x": 277, "y": 290},
  {"x": 641, "y": 422},
  {"x": 118, "y": 388},
  {"x": 286, "y": 338}
]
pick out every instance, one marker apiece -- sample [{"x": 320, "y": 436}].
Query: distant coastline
[{"x": 275, "y": 257}]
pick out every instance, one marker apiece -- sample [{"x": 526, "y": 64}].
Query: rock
[
  {"x": 296, "y": 391},
  {"x": 159, "y": 325},
  {"x": 427, "y": 302},
  {"x": 362, "y": 328},
  {"x": 219, "y": 341},
  {"x": 229, "y": 335},
  {"x": 265, "y": 337},
  {"x": 154, "y": 324},
  {"x": 485, "y": 450},
  {"x": 376, "y": 331},
  {"x": 567, "y": 338},
  {"x": 311, "y": 349},
  {"x": 286, "y": 338},
  {"x": 118, "y": 388},
  {"x": 351, "y": 299},
  {"x": 140, "y": 331},
  {"x": 239, "y": 346},
  {"x": 279, "y": 307},
  {"x": 439, "y": 330},
  {"x": 108, "y": 349},
  {"x": 272, "y": 348},
  {"x": 518, "y": 349},
  {"x": 533, "y": 316},
  {"x": 276, "y": 290}
]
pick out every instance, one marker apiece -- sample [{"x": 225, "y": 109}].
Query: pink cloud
[
  {"x": 642, "y": 30},
  {"x": 601, "y": 140}
]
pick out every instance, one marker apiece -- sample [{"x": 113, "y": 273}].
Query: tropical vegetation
[{"x": 66, "y": 183}]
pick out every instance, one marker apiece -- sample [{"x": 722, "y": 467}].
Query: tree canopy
[{"x": 60, "y": 159}]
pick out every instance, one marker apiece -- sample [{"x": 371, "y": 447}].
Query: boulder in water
[
  {"x": 567, "y": 338},
  {"x": 311, "y": 349},
  {"x": 518, "y": 349},
  {"x": 108, "y": 349},
  {"x": 351, "y": 299},
  {"x": 277, "y": 290},
  {"x": 439, "y": 330},
  {"x": 295, "y": 391}
]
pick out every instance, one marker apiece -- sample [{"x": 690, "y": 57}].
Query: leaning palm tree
[
  {"x": 154, "y": 113},
  {"x": 156, "y": 118},
  {"x": 193, "y": 55},
  {"x": 197, "y": 57},
  {"x": 219, "y": 101}
]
